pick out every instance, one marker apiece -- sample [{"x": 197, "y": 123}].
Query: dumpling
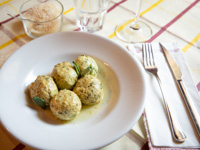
[
  {"x": 66, "y": 105},
  {"x": 84, "y": 62},
  {"x": 64, "y": 75},
  {"x": 89, "y": 89},
  {"x": 43, "y": 87}
]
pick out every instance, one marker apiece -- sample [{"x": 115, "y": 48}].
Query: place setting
[
  {"x": 78, "y": 88},
  {"x": 177, "y": 130},
  {"x": 176, "y": 96}
]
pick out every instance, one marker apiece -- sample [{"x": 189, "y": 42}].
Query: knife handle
[{"x": 194, "y": 114}]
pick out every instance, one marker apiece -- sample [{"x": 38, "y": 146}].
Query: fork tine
[
  {"x": 144, "y": 54},
  {"x": 147, "y": 58},
  {"x": 151, "y": 55},
  {"x": 148, "y": 54}
]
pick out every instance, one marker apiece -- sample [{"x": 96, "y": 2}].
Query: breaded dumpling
[
  {"x": 64, "y": 75},
  {"x": 84, "y": 62},
  {"x": 66, "y": 105},
  {"x": 89, "y": 89},
  {"x": 43, "y": 87}
]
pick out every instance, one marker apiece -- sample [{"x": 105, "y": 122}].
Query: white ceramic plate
[{"x": 28, "y": 123}]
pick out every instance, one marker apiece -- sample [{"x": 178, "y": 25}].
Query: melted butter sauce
[{"x": 111, "y": 95}]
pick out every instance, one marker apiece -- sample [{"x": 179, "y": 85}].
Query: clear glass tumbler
[
  {"x": 90, "y": 14},
  {"x": 41, "y": 17}
]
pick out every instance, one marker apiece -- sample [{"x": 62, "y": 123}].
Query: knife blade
[{"x": 178, "y": 77}]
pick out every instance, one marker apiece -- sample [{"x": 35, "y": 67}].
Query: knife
[{"x": 178, "y": 76}]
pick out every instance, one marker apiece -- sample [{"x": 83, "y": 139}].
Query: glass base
[
  {"x": 132, "y": 33},
  {"x": 89, "y": 29}
]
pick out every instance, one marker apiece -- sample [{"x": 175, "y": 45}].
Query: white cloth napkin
[{"x": 156, "y": 116}]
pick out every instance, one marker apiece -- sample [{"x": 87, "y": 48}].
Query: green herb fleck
[
  {"x": 39, "y": 101},
  {"x": 77, "y": 69}
]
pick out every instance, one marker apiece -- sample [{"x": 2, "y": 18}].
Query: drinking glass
[
  {"x": 41, "y": 17},
  {"x": 134, "y": 31},
  {"x": 90, "y": 14}
]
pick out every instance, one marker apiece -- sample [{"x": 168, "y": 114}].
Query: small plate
[{"x": 38, "y": 128}]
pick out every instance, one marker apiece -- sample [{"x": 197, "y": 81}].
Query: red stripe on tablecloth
[
  {"x": 198, "y": 86},
  {"x": 172, "y": 22},
  {"x": 5, "y": 21},
  {"x": 110, "y": 9},
  {"x": 145, "y": 146},
  {"x": 116, "y": 4},
  {"x": 19, "y": 147}
]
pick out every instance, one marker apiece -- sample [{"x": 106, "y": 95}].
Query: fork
[{"x": 149, "y": 65}]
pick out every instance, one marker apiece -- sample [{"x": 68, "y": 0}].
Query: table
[{"x": 171, "y": 21}]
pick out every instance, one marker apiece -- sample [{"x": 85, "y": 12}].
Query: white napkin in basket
[{"x": 157, "y": 121}]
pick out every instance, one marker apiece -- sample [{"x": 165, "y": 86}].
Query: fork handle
[{"x": 177, "y": 132}]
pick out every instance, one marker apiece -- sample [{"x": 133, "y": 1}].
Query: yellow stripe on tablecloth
[
  {"x": 13, "y": 40},
  {"x": 73, "y": 8},
  {"x": 196, "y": 38},
  {"x": 5, "y": 2},
  {"x": 68, "y": 10},
  {"x": 150, "y": 8},
  {"x": 142, "y": 13},
  {"x": 12, "y": 7},
  {"x": 82, "y": 3}
]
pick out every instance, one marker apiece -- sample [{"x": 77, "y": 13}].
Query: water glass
[{"x": 90, "y": 14}]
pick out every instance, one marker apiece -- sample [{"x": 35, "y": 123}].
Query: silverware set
[{"x": 150, "y": 66}]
